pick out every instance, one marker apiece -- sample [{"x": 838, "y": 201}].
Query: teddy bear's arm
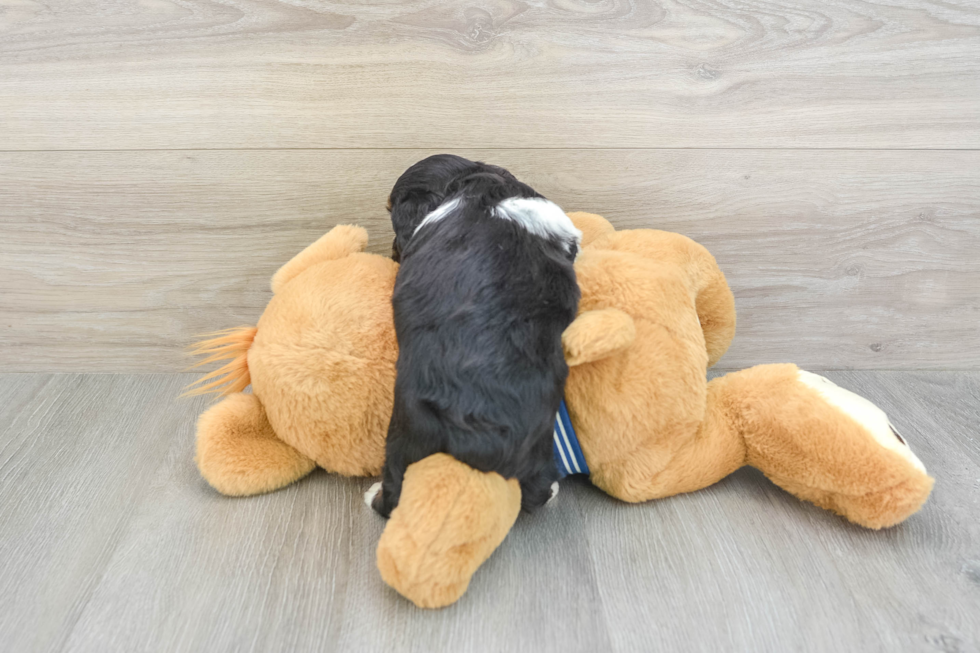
[
  {"x": 597, "y": 334},
  {"x": 341, "y": 241}
]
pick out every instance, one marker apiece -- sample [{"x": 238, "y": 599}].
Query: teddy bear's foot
[
  {"x": 448, "y": 521},
  {"x": 826, "y": 445},
  {"x": 239, "y": 454},
  {"x": 872, "y": 418},
  {"x": 884, "y": 506}
]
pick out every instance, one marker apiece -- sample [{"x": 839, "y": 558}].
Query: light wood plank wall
[{"x": 159, "y": 160}]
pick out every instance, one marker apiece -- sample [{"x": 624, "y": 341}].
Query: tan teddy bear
[{"x": 655, "y": 313}]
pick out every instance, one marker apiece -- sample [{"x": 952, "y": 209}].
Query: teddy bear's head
[{"x": 323, "y": 360}]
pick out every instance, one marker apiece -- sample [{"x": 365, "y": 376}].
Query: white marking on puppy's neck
[
  {"x": 438, "y": 213},
  {"x": 542, "y": 218}
]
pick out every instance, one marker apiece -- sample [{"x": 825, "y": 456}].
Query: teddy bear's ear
[
  {"x": 591, "y": 225},
  {"x": 343, "y": 240},
  {"x": 597, "y": 334}
]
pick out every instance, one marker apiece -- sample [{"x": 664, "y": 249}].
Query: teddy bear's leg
[
  {"x": 449, "y": 520},
  {"x": 825, "y": 444},
  {"x": 239, "y": 454},
  {"x": 708, "y": 453}
]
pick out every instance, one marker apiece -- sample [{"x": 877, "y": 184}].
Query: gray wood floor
[{"x": 110, "y": 541}]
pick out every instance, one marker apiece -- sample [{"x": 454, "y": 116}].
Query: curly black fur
[{"x": 480, "y": 304}]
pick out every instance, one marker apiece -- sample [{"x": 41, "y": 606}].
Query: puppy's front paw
[
  {"x": 372, "y": 492},
  {"x": 554, "y": 493}
]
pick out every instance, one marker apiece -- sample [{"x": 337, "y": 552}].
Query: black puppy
[{"x": 485, "y": 289}]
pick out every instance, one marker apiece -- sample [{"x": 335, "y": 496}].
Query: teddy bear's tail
[{"x": 230, "y": 345}]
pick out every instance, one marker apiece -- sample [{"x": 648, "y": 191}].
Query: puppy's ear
[
  {"x": 597, "y": 334},
  {"x": 407, "y": 213}
]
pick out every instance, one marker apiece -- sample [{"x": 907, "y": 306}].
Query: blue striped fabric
[{"x": 568, "y": 453}]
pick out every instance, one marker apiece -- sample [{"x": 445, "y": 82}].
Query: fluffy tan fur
[
  {"x": 655, "y": 313},
  {"x": 242, "y": 454},
  {"x": 435, "y": 541},
  {"x": 335, "y": 244},
  {"x": 597, "y": 334},
  {"x": 321, "y": 363}
]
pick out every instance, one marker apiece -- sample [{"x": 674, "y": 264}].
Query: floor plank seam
[{"x": 450, "y": 148}]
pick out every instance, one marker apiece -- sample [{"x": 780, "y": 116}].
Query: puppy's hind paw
[{"x": 372, "y": 492}]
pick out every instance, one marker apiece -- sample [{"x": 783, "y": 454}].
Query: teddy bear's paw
[
  {"x": 371, "y": 493},
  {"x": 554, "y": 493},
  {"x": 873, "y": 419},
  {"x": 239, "y": 454}
]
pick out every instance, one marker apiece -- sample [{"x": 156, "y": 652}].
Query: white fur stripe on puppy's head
[
  {"x": 438, "y": 213},
  {"x": 537, "y": 215},
  {"x": 542, "y": 218}
]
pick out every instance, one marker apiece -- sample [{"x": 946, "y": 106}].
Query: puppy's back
[{"x": 485, "y": 290}]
